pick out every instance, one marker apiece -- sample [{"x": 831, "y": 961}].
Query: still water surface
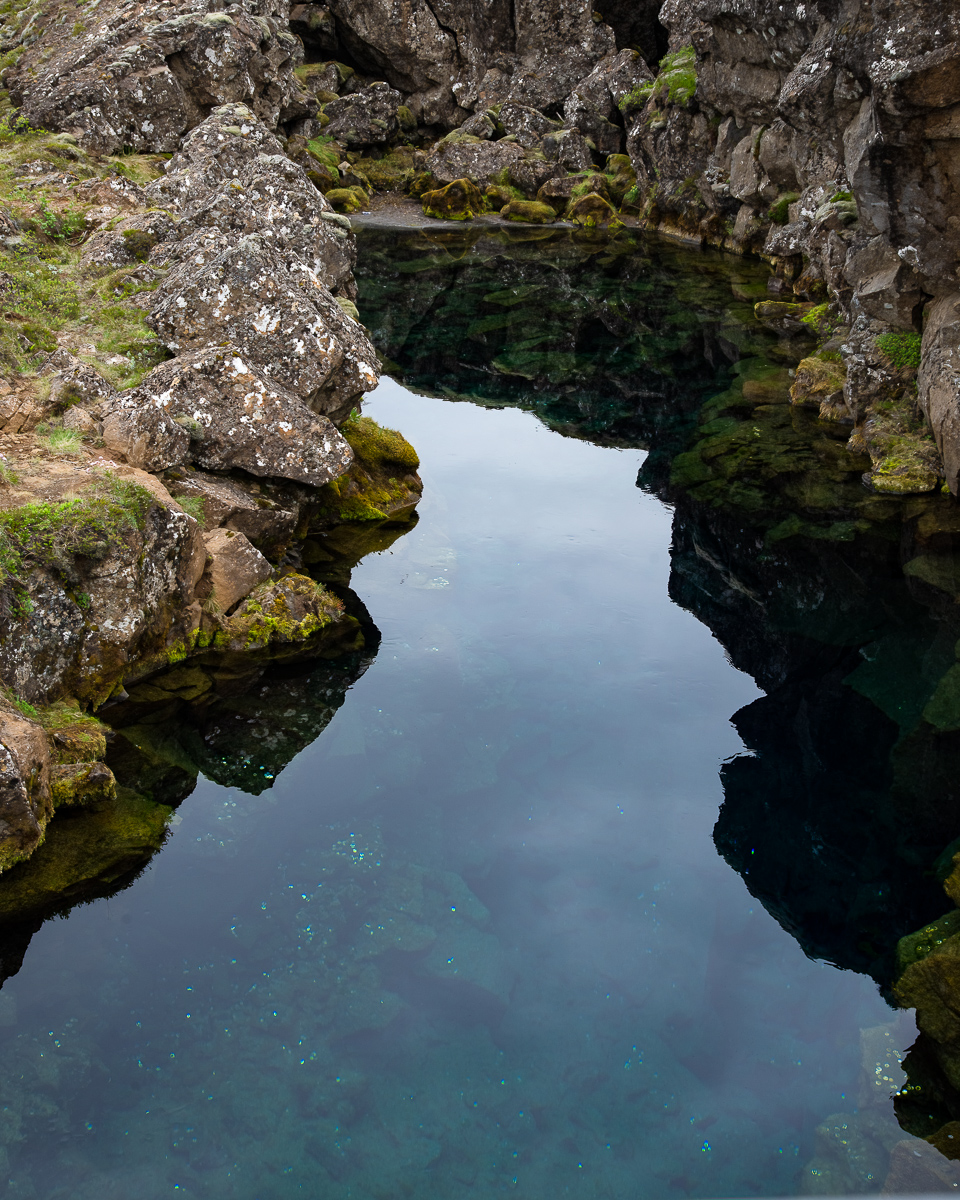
[{"x": 477, "y": 939}]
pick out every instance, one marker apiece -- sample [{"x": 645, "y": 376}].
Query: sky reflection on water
[{"x": 477, "y": 938}]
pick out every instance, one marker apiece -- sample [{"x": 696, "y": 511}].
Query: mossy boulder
[
  {"x": 499, "y": 194},
  {"x": 785, "y": 319},
  {"x": 458, "y": 201},
  {"x": 592, "y": 210},
  {"x": 531, "y": 211},
  {"x": 348, "y": 200},
  {"x": 288, "y": 613},
  {"x": 82, "y": 783},
  {"x": 819, "y": 384}
]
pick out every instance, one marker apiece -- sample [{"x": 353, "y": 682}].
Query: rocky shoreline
[
  {"x": 183, "y": 365},
  {"x": 150, "y": 525}
]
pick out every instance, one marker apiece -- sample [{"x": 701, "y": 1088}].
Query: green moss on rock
[
  {"x": 592, "y": 210},
  {"x": 348, "y": 200},
  {"x": 458, "y": 201},
  {"x": 530, "y": 211}
]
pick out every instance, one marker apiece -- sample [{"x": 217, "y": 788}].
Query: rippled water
[{"x": 476, "y": 939}]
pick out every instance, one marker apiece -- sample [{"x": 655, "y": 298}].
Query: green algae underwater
[{"x": 446, "y": 916}]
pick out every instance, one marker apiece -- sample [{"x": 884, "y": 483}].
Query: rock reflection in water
[
  {"x": 236, "y": 720},
  {"x": 839, "y": 602},
  {"x": 453, "y": 970}
]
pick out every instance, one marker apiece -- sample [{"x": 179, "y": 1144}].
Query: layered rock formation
[{"x": 175, "y": 532}]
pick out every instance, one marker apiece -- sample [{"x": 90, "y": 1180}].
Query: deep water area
[{"x": 585, "y": 879}]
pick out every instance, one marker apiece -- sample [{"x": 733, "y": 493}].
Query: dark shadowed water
[{"x": 477, "y": 939}]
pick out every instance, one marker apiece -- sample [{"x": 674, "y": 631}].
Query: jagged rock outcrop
[{"x": 141, "y": 76}]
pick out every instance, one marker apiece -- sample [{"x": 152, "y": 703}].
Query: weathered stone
[
  {"x": 478, "y": 161},
  {"x": 282, "y": 318},
  {"x": 79, "y": 384},
  {"x": 268, "y": 194},
  {"x": 569, "y": 149},
  {"x": 527, "y": 125},
  {"x": 480, "y": 125},
  {"x": 528, "y": 210},
  {"x": 366, "y": 118},
  {"x": 235, "y": 504},
  {"x": 26, "y": 803},
  {"x": 234, "y": 568},
  {"x": 531, "y": 172},
  {"x": 136, "y": 585},
  {"x": 129, "y": 242},
  {"x": 233, "y": 416},
  {"x": 142, "y": 85},
  {"x": 938, "y": 382}
]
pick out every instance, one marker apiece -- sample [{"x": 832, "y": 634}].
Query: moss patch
[
  {"x": 676, "y": 83},
  {"x": 458, "y": 201},
  {"x": 375, "y": 445},
  {"x": 901, "y": 350},
  {"x": 531, "y": 211}
]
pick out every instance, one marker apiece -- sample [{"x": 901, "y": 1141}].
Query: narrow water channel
[{"x": 477, "y": 939}]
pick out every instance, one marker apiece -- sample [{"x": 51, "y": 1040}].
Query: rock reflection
[
  {"x": 234, "y": 719},
  {"x": 840, "y": 603}
]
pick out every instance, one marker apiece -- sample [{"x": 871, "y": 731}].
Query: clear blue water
[{"x": 477, "y": 939}]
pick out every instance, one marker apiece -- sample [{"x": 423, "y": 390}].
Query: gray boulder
[
  {"x": 212, "y": 408},
  {"x": 527, "y": 125},
  {"x": 140, "y": 84},
  {"x": 569, "y": 149},
  {"x": 239, "y": 190},
  {"x": 365, "y": 118},
  {"x": 281, "y": 318},
  {"x": 469, "y": 159}
]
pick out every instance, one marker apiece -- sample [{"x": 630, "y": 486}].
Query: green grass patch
[
  {"x": 52, "y": 535},
  {"x": 902, "y": 350},
  {"x": 62, "y": 441}
]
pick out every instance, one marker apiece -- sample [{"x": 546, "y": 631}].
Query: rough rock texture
[
  {"x": 230, "y": 176},
  {"x": 26, "y": 802},
  {"x": 116, "y": 590},
  {"x": 477, "y": 160},
  {"x": 280, "y": 316},
  {"x": 141, "y": 76},
  {"x": 234, "y": 567},
  {"x": 231, "y": 415},
  {"x": 823, "y": 136}
]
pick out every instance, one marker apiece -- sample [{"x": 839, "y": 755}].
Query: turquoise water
[{"x": 476, "y": 939}]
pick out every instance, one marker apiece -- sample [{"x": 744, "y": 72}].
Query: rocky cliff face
[{"x": 164, "y": 519}]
